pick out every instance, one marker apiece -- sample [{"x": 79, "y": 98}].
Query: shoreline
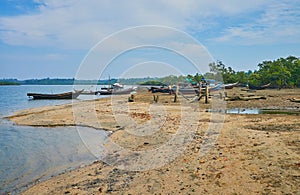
[{"x": 249, "y": 149}]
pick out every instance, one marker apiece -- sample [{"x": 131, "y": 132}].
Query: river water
[{"x": 30, "y": 154}]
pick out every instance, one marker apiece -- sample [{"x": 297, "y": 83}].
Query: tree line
[{"x": 281, "y": 73}]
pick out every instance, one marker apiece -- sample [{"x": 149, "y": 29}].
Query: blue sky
[{"x": 53, "y": 38}]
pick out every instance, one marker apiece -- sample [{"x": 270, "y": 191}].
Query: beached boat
[
  {"x": 185, "y": 91},
  {"x": 115, "y": 91},
  {"x": 230, "y": 85},
  {"x": 160, "y": 90},
  {"x": 188, "y": 91},
  {"x": 216, "y": 87},
  {"x": 67, "y": 95},
  {"x": 118, "y": 86},
  {"x": 259, "y": 87}
]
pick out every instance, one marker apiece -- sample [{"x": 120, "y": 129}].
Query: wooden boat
[
  {"x": 185, "y": 91},
  {"x": 188, "y": 91},
  {"x": 259, "y": 87},
  {"x": 192, "y": 90},
  {"x": 160, "y": 90},
  {"x": 105, "y": 92},
  {"x": 118, "y": 86},
  {"x": 107, "y": 88},
  {"x": 115, "y": 91},
  {"x": 230, "y": 85},
  {"x": 67, "y": 95},
  {"x": 215, "y": 88}
]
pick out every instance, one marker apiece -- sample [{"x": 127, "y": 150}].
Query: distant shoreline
[
  {"x": 8, "y": 83},
  {"x": 72, "y": 81}
]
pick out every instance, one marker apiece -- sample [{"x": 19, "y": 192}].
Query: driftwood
[
  {"x": 155, "y": 98},
  {"x": 294, "y": 100},
  {"x": 239, "y": 98}
]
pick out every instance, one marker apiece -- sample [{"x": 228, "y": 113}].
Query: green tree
[{"x": 254, "y": 79}]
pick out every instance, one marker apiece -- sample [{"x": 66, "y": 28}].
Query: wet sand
[{"x": 250, "y": 154}]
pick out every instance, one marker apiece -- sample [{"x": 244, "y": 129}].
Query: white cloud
[
  {"x": 80, "y": 24},
  {"x": 278, "y": 23}
]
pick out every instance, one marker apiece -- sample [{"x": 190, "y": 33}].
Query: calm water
[{"x": 28, "y": 154}]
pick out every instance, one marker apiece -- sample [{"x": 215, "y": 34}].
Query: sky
[{"x": 100, "y": 38}]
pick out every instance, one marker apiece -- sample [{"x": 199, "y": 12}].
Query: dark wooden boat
[
  {"x": 215, "y": 88},
  {"x": 68, "y": 95},
  {"x": 160, "y": 90},
  {"x": 230, "y": 85},
  {"x": 115, "y": 92},
  {"x": 259, "y": 87},
  {"x": 105, "y": 92},
  {"x": 185, "y": 91}
]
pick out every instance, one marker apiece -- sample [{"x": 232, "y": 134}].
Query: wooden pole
[
  {"x": 176, "y": 93},
  {"x": 206, "y": 94},
  {"x": 200, "y": 88},
  {"x": 221, "y": 96},
  {"x": 200, "y": 91},
  {"x": 155, "y": 98}
]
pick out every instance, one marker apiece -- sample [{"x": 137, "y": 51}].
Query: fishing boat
[
  {"x": 216, "y": 87},
  {"x": 67, "y": 95},
  {"x": 230, "y": 85},
  {"x": 185, "y": 90},
  {"x": 116, "y": 88},
  {"x": 89, "y": 93},
  {"x": 160, "y": 90},
  {"x": 115, "y": 91},
  {"x": 259, "y": 87}
]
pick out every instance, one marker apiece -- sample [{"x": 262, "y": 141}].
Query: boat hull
[
  {"x": 259, "y": 87},
  {"x": 68, "y": 95},
  {"x": 115, "y": 92}
]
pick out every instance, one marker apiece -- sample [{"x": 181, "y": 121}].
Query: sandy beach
[{"x": 184, "y": 149}]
